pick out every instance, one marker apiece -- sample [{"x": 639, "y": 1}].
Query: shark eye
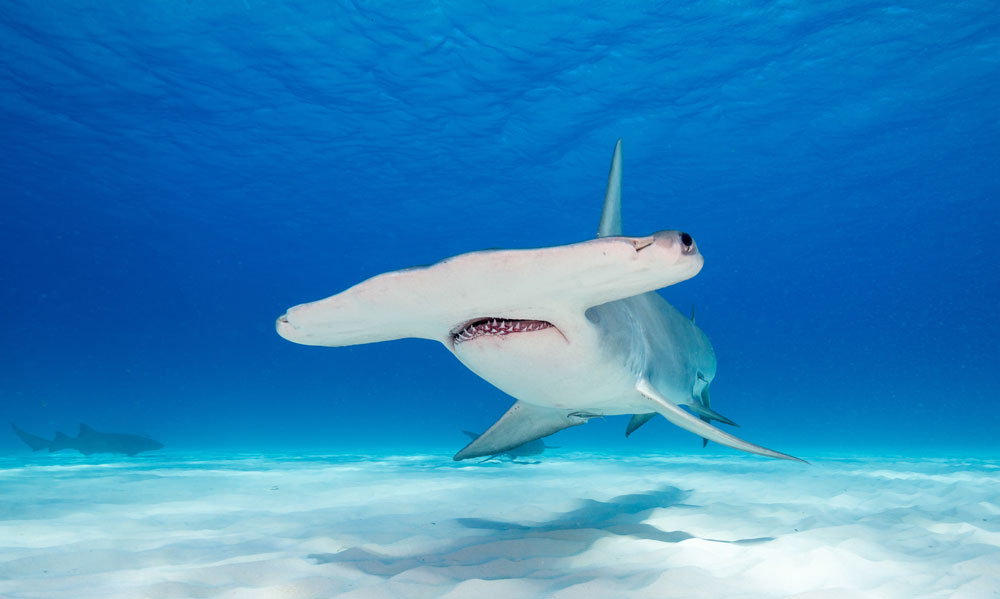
[{"x": 686, "y": 240}]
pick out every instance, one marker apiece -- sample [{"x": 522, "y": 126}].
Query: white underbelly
[{"x": 542, "y": 368}]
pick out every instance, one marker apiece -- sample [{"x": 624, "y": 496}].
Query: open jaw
[{"x": 496, "y": 327}]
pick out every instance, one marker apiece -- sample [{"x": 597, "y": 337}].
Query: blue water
[{"x": 175, "y": 175}]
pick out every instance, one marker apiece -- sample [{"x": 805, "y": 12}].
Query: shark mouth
[{"x": 497, "y": 327}]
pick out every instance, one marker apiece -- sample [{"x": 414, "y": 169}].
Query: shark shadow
[{"x": 500, "y": 549}]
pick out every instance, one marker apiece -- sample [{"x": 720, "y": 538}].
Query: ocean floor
[{"x": 573, "y": 525}]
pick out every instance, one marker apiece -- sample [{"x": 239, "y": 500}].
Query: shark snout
[
  {"x": 302, "y": 324},
  {"x": 678, "y": 255},
  {"x": 677, "y": 239},
  {"x": 285, "y": 328}
]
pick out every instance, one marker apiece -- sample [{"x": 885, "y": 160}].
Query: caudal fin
[
  {"x": 689, "y": 422},
  {"x": 35, "y": 443}
]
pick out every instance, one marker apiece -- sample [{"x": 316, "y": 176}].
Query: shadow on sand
[{"x": 503, "y": 549}]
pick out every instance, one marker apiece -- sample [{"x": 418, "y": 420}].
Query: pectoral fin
[
  {"x": 691, "y": 423},
  {"x": 523, "y": 422}
]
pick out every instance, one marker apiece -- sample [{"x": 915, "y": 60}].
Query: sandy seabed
[{"x": 573, "y": 525}]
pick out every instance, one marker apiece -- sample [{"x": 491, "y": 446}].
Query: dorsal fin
[
  {"x": 692, "y": 313},
  {"x": 611, "y": 216}
]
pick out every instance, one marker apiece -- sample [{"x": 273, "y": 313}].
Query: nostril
[{"x": 686, "y": 240}]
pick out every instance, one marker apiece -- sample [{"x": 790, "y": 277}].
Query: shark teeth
[{"x": 497, "y": 327}]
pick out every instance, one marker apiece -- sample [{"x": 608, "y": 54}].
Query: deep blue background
[{"x": 175, "y": 175}]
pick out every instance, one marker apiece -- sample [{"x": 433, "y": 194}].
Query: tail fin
[
  {"x": 35, "y": 443},
  {"x": 690, "y": 423},
  {"x": 707, "y": 414}
]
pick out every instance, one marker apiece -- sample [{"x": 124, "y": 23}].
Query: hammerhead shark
[
  {"x": 90, "y": 441},
  {"x": 572, "y": 332}
]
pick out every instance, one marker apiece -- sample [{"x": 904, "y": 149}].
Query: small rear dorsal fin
[
  {"x": 62, "y": 441},
  {"x": 85, "y": 430},
  {"x": 611, "y": 216},
  {"x": 637, "y": 421}
]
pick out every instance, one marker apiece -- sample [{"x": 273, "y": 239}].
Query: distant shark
[
  {"x": 89, "y": 441},
  {"x": 531, "y": 448},
  {"x": 572, "y": 332}
]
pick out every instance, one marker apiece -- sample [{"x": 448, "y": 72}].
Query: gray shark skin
[
  {"x": 531, "y": 448},
  {"x": 571, "y": 332},
  {"x": 90, "y": 441}
]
